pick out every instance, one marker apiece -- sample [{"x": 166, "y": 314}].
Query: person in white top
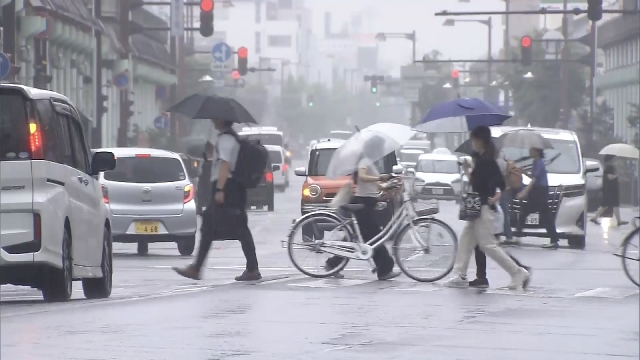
[{"x": 367, "y": 179}]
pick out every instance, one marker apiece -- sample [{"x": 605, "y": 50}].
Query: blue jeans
[{"x": 505, "y": 200}]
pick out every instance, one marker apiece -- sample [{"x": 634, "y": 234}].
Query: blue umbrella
[{"x": 461, "y": 115}]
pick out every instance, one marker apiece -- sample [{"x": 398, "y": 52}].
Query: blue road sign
[
  {"x": 221, "y": 52},
  {"x": 5, "y": 65},
  {"x": 121, "y": 80},
  {"x": 161, "y": 122}
]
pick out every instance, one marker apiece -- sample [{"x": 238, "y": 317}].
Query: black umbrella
[{"x": 213, "y": 107}]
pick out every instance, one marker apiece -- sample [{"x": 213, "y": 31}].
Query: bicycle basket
[{"x": 426, "y": 208}]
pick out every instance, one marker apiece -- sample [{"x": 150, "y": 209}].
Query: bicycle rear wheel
[
  {"x": 631, "y": 256},
  {"x": 308, "y": 236},
  {"x": 435, "y": 249}
]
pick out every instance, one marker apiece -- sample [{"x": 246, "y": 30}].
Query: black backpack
[{"x": 251, "y": 163}]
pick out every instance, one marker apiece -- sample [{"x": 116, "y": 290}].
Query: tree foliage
[
  {"x": 598, "y": 131},
  {"x": 634, "y": 122},
  {"x": 537, "y": 100}
]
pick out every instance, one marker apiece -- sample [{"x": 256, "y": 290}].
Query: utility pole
[
  {"x": 173, "y": 90},
  {"x": 9, "y": 35},
  {"x": 564, "y": 74},
  {"x": 98, "y": 112},
  {"x": 125, "y": 32}
]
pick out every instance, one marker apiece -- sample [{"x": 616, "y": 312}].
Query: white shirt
[
  {"x": 367, "y": 189},
  {"x": 225, "y": 149}
]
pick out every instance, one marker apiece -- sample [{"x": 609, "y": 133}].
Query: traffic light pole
[
  {"x": 96, "y": 134},
  {"x": 125, "y": 32},
  {"x": 542, "y": 11}
]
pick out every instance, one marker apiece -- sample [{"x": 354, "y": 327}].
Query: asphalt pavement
[{"x": 580, "y": 306}]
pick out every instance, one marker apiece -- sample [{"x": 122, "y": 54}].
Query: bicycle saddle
[{"x": 349, "y": 208}]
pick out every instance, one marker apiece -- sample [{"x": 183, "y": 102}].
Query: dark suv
[{"x": 263, "y": 194}]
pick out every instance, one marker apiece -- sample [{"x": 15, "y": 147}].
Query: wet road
[{"x": 580, "y": 306}]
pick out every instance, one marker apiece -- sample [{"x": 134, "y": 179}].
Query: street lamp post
[
  {"x": 488, "y": 22},
  {"x": 383, "y": 36}
]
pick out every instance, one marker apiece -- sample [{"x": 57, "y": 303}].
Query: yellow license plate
[{"x": 147, "y": 227}]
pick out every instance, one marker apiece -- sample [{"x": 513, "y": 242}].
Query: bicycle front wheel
[
  {"x": 426, "y": 251},
  {"x": 306, "y": 245},
  {"x": 631, "y": 256}
]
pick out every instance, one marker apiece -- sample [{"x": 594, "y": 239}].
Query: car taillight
[
  {"x": 35, "y": 142},
  {"x": 37, "y": 228},
  {"x": 143, "y": 155},
  {"x": 105, "y": 194},
  {"x": 269, "y": 177},
  {"x": 285, "y": 167},
  {"x": 188, "y": 193}
]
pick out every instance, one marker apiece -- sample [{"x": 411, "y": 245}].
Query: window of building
[
  {"x": 272, "y": 11},
  {"x": 280, "y": 41},
  {"x": 258, "y": 42},
  {"x": 285, "y": 4},
  {"x": 258, "y": 7}
]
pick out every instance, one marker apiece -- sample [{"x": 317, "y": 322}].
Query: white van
[
  {"x": 567, "y": 184},
  {"x": 54, "y": 226}
]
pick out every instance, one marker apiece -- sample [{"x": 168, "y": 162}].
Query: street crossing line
[
  {"x": 608, "y": 293},
  {"x": 330, "y": 283}
]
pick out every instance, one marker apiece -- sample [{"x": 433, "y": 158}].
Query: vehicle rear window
[
  {"x": 147, "y": 170},
  {"x": 265, "y": 139},
  {"x": 14, "y": 126},
  {"x": 275, "y": 156},
  {"x": 320, "y": 159}
]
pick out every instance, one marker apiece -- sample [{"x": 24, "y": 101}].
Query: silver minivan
[{"x": 151, "y": 199}]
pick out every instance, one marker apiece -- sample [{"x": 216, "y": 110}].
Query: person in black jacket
[
  {"x": 484, "y": 179},
  {"x": 610, "y": 192}
]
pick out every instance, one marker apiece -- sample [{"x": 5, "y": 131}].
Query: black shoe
[
  {"x": 249, "y": 276},
  {"x": 479, "y": 283},
  {"x": 551, "y": 246},
  {"x": 337, "y": 275},
  {"x": 390, "y": 275},
  {"x": 595, "y": 221},
  {"x": 525, "y": 284},
  {"x": 622, "y": 223}
]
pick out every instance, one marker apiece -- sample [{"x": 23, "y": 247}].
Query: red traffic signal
[
  {"x": 243, "y": 52},
  {"x": 235, "y": 75},
  {"x": 525, "y": 41},
  {"x": 206, "y": 5},
  {"x": 455, "y": 74}
]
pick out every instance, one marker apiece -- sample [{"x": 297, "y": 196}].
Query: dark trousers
[
  {"x": 228, "y": 221},
  {"x": 369, "y": 228},
  {"x": 481, "y": 263},
  {"x": 538, "y": 201}
]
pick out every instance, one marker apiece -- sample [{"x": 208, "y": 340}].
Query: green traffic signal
[
  {"x": 310, "y": 104},
  {"x": 374, "y": 90},
  {"x": 377, "y": 103}
]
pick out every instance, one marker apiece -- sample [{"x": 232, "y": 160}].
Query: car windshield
[
  {"x": 409, "y": 157},
  {"x": 320, "y": 159},
  {"x": 438, "y": 166},
  {"x": 146, "y": 170},
  {"x": 14, "y": 127},
  {"x": 562, "y": 159},
  {"x": 275, "y": 156},
  {"x": 265, "y": 138}
]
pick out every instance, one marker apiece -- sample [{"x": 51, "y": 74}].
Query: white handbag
[{"x": 342, "y": 197}]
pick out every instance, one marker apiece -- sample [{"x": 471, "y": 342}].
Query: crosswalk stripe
[{"x": 608, "y": 293}]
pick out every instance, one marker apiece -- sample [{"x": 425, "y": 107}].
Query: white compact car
[
  {"x": 567, "y": 185},
  {"x": 408, "y": 158},
  {"x": 437, "y": 177},
  {"x": 54, "y": 226},
  {"x": 280, "y": 167}
]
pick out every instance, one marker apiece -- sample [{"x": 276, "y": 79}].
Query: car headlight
[{"x": 311, "y": 191}]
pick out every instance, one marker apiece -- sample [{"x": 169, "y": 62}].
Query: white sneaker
[
  {"x": 518, "y": 280},
  {"x": 457, "y": 282}
]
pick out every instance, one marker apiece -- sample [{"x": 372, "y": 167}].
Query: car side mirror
[
  {"x": 102, "y": 161},
  {"x": 397, "y": 169},
  {"x": 275, "y": 167},
  {"x": 591, "y": 167},
  {"x": 301, "y": 171}
]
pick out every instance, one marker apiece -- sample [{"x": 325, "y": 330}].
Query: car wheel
[
  {"x": 143, "y": 248},
  {"x": 577, "y": 242},
  {"x": 286, "y": 183},
  {"x": 186, "y": 245},
  {"x": 100, "y": 288},
  {"x": 270, "y": 206},
  {"x": 58, "y": 284}
]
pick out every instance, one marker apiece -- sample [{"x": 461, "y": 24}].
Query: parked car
[
  {"x": 318, "y": 190},
  {"x": 263, "y": 194},
  {"x": 280, "y": 168},
  {"x": 594, "y": 185},
  {"x": 54, "y": 227},
  {"x": 437, "y": 177},
  {"x": 151, "y": 199},
  {"x": 408, "y": 158}
]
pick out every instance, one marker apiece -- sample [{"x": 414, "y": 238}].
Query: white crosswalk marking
[
  {"x": 332, "y": 283},
  {"x": 608, "y": 293}
]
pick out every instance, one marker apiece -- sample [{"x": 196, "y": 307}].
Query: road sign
[
  {"x": 222, "y": 56},
  {"x": 161, "y": 123},
  {"x": 177, "y": 18},
  {"x": 5, "y": 65},
  {"x": 48, "y": 26},
  {"x": 121, "y": 80},
  {"x": 218, "y": 83},
  {"x": 218, "y": 75}
]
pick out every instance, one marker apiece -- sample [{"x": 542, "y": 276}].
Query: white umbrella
[
  {"x": 621, "y": 150},
  {"x": 373, "y": 142}
]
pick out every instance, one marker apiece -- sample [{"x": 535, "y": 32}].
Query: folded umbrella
[
  {"x": 621, "y": 150},
  {"x": 199, "y": 106},
  {"x": 461, "y": 115}
]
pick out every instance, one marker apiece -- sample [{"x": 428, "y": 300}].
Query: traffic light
[
  {"x": 310, "y": 100},
  {"x": 377, "y": 103},
  {"x": 102, "y": 104},
  {"x": 526, "y": 51},
  {"x": 374, "y": 85},
  {"x": 455, "y": 78},
  {"x": 594, "y": 10},
  {"x": 129, "y": 106},
  {"x": 206, "y": 18},
  {"x": 235, "y": 75},
  {"x": 243, "y": 53}
]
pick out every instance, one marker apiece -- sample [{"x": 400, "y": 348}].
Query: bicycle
[
  {"x": 348, "y": 244},
  {"x": 630, "y": 254}
]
